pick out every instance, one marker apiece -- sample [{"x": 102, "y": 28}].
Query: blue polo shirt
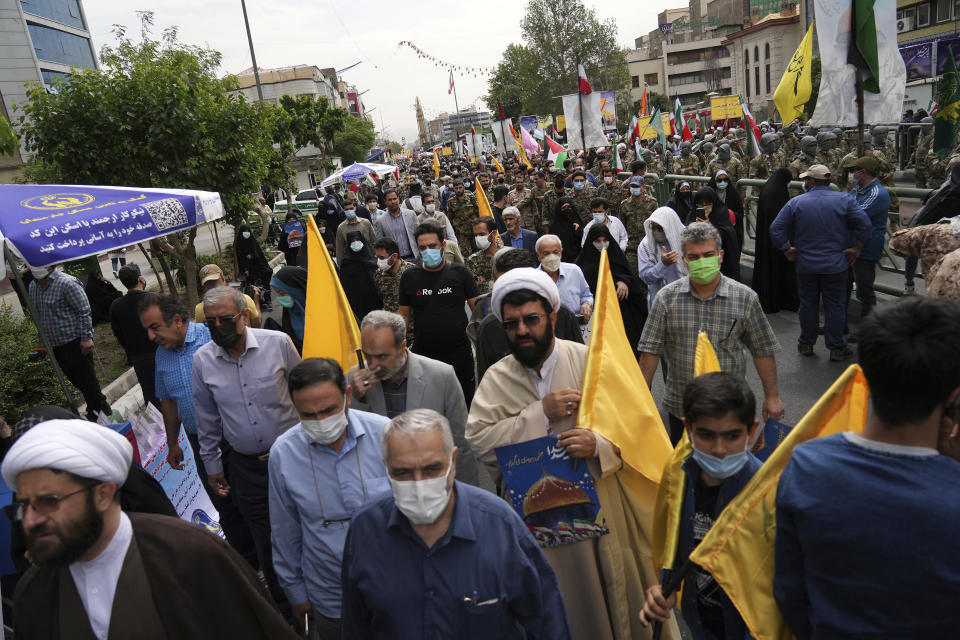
[{"x": 174, "y": 371}]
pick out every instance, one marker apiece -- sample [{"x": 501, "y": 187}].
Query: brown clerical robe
[
  {"x": 603, "y": 580},
  {"x": 178, "y": 582}
]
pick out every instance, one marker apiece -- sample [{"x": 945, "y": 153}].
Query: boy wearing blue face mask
[{"x": 719, "y": 416}]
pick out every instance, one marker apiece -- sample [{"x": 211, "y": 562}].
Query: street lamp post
[{"x": 253, "y": 56}]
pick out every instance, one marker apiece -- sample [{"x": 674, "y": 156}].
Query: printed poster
[
  {"x": 553, "y": 492},
  {"x": 773, "y": 434},
  {"x": 608, "y": 109},
  {"x": 294, "y": 231},
  {"x": 723, "y": 107},
  {"x": 918, "y": 60}
]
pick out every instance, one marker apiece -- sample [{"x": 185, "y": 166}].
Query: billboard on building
[
  {"x": 943, "y": 52},
  {"x": 723, "y": 107},
  {"x": 918, "y": 60}
]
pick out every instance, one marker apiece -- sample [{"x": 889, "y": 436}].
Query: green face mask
[{"x": 704, "y": 270}]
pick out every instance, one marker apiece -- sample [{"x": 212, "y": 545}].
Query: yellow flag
[
  {"x": 738, "y": 549},
  {"x": 436, "y": 165},
  {"x": 483, "y": 205},
  {"x": 668, "y": 512},
  {"x": 616, "y": 401},
  {"x": 497, "y": 164},
  {"x": 331, "y": 328},
  {"x": 796, "y": 86}
]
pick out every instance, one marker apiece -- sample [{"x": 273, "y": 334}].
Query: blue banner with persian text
[{"x": 55, "y": 223}]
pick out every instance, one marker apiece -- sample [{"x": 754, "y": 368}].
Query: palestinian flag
[{"x": 556, "y": 152}]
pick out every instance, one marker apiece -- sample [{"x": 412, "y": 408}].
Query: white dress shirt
[
  {"x": 617, "y": 230},
  {"x": 96, "y": 579},
  {"x": 544, "y": 380}
]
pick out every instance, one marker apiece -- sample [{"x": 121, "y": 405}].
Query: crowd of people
[{"x": 367, "y": 502}]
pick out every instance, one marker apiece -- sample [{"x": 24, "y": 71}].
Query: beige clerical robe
[{"x": 603, "y": 580}]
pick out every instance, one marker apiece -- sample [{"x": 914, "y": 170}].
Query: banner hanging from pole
[{"x": 592, "y": 121}]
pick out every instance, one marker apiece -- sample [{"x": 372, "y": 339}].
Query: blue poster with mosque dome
[{"x": 553, "y": 492}]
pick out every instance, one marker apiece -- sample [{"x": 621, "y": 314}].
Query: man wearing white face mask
[
  {"x": 488, "y": 242},
  {"x": 600, "y": 209},
  {"x": 574, "y": 291},
  {"x": 442, "y": 559},
  {"x": 352, "y": 223},
  {"x": 322, "y": 471},
  {"x": 430, "y": 213}
]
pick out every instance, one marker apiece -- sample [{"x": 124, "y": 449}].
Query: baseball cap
[
  {"x": 210, "y": 272},
  {"x": 871, "y": 165},
  {"x": 817, "y": 171},
  {"x": 636, "y": 181}
]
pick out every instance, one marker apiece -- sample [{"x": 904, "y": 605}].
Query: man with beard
[
  {"x": 100, "y": 572},
  {"x": 397, "y": 380},
  {"x": 534, "y": 392},
  {"x": 240, "y": 396}
]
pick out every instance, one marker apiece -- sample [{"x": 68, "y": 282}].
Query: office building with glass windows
[{"x": 40, "y": 40}]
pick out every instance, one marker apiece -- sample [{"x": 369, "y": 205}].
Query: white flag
[
  {"x": 837, "y": 101},
  {"x": 592, "y": 121},
  {"x": 505, "y": 141}
]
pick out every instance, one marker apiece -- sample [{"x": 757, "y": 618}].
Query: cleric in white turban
[
  {"x": 85, "y": 449},
  {"x": 527, "y": 278}
]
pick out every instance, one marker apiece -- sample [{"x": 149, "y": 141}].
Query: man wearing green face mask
[{"x": 729, "y": 313}]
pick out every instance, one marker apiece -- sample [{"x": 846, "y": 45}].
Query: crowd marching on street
[{"x": 401, "y": 494}]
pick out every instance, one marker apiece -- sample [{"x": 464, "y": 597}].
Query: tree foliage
[
  {"x": 8, "y": 138},
  {"x": 154, "y": 115},
  {"x": 352, "y": 143},
  {"x": 815, "y": 71},
  {"x": 654, "y": 99},
  {"x": 556, "y": 34}
]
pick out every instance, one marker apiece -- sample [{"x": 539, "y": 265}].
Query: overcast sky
[{"x": 338, "y": 33}]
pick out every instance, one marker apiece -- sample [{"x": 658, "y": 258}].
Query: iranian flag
[
  {"x": 582, "y": 77},
  {"x": 450, "y": 89},
  {"x": 684, "y": 130},
  {"x": 556, "y": 152},
  {"x": 753, "y": 133},
  {"x": 632, "y": 130}
]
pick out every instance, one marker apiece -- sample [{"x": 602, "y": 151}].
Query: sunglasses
[
  {"x": 44, "y": 505},
  {"x": 531, "y": 321},
  {"x": 213, "y": 322}
]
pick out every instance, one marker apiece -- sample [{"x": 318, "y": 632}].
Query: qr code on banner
[{"x": 166, "y": 213}]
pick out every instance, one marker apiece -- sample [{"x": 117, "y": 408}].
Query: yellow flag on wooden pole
[
  {"x": 738, "y": 549},
  {"x": 330, "y": 326},
  {"x": 796, "y": 85}
]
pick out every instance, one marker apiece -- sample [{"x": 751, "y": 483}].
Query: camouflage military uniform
[
  {"x": 938, "y": 170},
  {"x": 582, "y": 199},
  {"x": 550, "y": 200},
  {"x": 733, "y": 167},
  {"x": 633, "y": 213},
  {"x": 920, "y": 164},
  {"x": 954, "y": 161},
  {"x": 537, "y": 194},
  {"x": 613, "y": 194},
  {"x": 791, "y": 145},
  {"x": 946, "y": 284},
  {"x": 800, "y": 165},
  {"x": 763, "y": 166},
  {"x": 462, "y": 211},
  {"x": 388, "y": 286},
  {"x": 481, "y": 265},
  {"x": 930, "y": 243},
  {"x": 529, "y": 216},
  {"x": 689, "y": 166},
  {"x": 832, "y": 159},
  {"x": 886, "y": 169}
]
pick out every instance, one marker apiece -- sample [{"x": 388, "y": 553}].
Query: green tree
[
  {"x": 154, "y": 115},
  {"x": 556, "y": 34},
  {"x": 352, "y": 143},
  {"x": 8, "y": 138},
  {"x": 654, "y": 99},
  {"x": 815, "y": 71}
]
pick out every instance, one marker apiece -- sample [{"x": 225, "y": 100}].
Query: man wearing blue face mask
[
  {"x": 322, "y": 471},
  {"x": 433, "y": 296},
  {"x": 719, "y": 416},
  {"x": 351, "y": 223},
  {"x": 583, "y": 191}
]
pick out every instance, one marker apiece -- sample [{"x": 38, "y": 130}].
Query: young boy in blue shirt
[{"x": 719, "y": 412}]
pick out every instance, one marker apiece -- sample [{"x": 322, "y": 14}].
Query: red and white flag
[
  {"x": 582, "y": 77},
  {"x": 753, "y": 132},
  {"x": 450, "y": 90}
]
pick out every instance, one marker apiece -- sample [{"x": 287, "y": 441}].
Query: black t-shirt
[
  {"x": 709, "y": 593},
  {"x": 436, "y": 300},
  {"x": 126, "y": 326}
]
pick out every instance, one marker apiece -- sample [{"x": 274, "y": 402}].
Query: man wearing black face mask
[{"x": 240, "y": 395}]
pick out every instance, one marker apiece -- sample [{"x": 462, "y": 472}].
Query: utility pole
[{"x": 253, "y": 56}]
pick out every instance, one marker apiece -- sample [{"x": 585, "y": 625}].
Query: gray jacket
[
  {"x": 410, "y": 223},
  {"x": 431, "y": 384}
]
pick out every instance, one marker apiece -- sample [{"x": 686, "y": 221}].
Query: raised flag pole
[
  {"x": 670, "y": 585},
  {"x": 859, "y": 73}
]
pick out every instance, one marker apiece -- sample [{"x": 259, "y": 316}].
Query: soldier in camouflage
[
  {"x": 487, "y": 184},
  {"x": 552, "y": 197},
  {"x": 921, "y": 165},
  {"x": 739, "y": 145},
  {"x": 726, "y": 161},
  {"x": 634, "y": 211},
  {"x": 828, "y": 153},
  {"x": 387, "y": 280},
  {"x": 522, "y": 198},
  {"x": 610, "y": 190},
  {"x": 791, "y": 144},
  {"x": 770, "y": 158},
  {"x": 583, "y": 192},
  {"x": 461, "y": 210},
  {"x": 931, "y": 243},
  {"x": 705, "y": 153},
  {"x": 488, "y": 243},
  {"x": 668, "y": 162},
  {"x": 539, "y": 190},
  {"x": 688, "y": 164},
  {"x": 808, "y": 157}
]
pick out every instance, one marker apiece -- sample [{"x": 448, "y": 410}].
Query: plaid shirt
[
  {"x": 174, "y": 373},
  {"x": 732, "y": 319},
  {"x": 63, "y": 308}
]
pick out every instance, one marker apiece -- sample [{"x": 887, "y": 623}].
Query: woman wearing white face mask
[{"x": 727, "y": 194}]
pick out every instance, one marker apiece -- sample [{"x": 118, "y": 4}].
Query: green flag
[
  {"x": 656, "y": 121},
  {"x": 863, "y": 44},
  {"x": 948, "y": 114}
]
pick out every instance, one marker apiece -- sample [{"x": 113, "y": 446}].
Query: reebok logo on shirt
[{"x": 429, "y": 292}]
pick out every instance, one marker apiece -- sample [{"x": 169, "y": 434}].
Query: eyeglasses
[
  {"x": 213, "y": 322},
  {"x": 44, "y": 505},
  {"x": 531, "y": 321}
]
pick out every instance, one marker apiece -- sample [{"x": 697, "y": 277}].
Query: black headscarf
[
  {"x": 774, "y": 277},
  {"x": 720, "y": 218},
  {"x": 634, "y": 308},
  {"x": 734, "y": 203},
  {"x": 568, "y": 226},
  {"x": 681, "y": 203},
  {"x": 356, "y": 275},
  {"x": 255, "y": 265}
]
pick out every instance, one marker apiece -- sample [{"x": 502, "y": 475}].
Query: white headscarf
[
  {"x": 524, "y": 278},
  {"x": 83, "y": 448},
  {"x": 672, "y": 227}
]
